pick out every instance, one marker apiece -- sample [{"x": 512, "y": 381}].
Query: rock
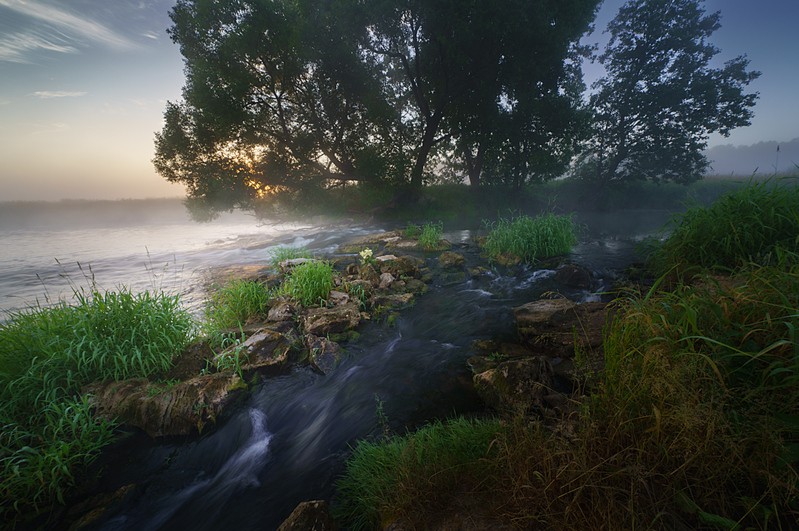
[
  {"x": 385, "y": 258},
  {"x": 394, "y": 300},
  {"x": 450, "y": 260},
  {"x": 324, "y": 354},
  {"x": 403, "y": 267},
  {"x": 282, "y": 311},
  {"x": 338, "y": 298},
  {"x": 265, "y": 349},
  {"x": 324, "y": 321},
  {"x": 288, "y": 265},
  {"x": 413, "y": 285},
  {"x": 574, "y": 276},
  {"x": 182, "y": 409},
  {"x": 516, "y": 385},
  {"x": 309, "y": 516},
  {"x": 367, "y": 272},
  {"x": 551, "y": 326},
  {"x": 386, "y": 279}
]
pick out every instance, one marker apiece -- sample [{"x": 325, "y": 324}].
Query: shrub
[
  {"x": 309, "y": 283},
  {"x": 529, "y": 238},
  {"x": 749, "y": 224}
]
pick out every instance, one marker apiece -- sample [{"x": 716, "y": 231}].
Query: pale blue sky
[{"x": 83, "y": 85}]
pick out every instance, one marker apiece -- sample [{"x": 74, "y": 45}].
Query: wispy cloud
[
  {"x": 65, "y": 32},
  {"x": 17, "y": 47},
  {"x": 150, "y": 35},
  {"x": 49, "y": 94}
]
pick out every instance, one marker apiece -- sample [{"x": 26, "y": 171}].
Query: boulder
[
  {"x": 181, "y": 409},
  {"x": 574, "y": 276},
  {"x": 324, "y": 354},
  {"x": 264, "y": 349},
  {"x": 393, "y": 300},
  {"x": 309, "y": 516},
  {"x": 324, "y": 321},
  {"x": 516, "y": 385},
  {"x": 403, "y": 267},
  {"x": 450, "y": 260}
]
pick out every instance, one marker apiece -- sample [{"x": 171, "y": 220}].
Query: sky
[{"x": 84, "y": 83}]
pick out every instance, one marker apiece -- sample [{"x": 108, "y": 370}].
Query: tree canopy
[
  {"x": 661, "y": 97},
  {"x": 310, "y": 93}
]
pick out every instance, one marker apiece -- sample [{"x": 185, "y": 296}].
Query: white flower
[{"x": 366, "y": 255}]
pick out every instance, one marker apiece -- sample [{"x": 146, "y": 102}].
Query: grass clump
[
  {"x": 430, "y": 235},
  {"x": 236, "y": 303},
  {"x": 389, "y": 480},
  {"x": 530, "y": 239},
  {"x": 748, "y": 224},
  {"x": 309, "y": 283},
  {"x": 46, "y": 356}
]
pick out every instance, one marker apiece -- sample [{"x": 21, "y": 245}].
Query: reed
[
  {"x": 430, "y": 235},
  {"x": 530, "y": 239}
]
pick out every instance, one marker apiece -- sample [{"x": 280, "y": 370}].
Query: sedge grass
[
  {"x": 389, "y": 480},
  {"x": 430, "y": 235},
  {"x": 47, "y": 354},
  {"x": 750, "y": 224},
  {"x": 235, "y": 304},
  {"x": 530, "y": 239},
  {"x": 309, "y": 283}
]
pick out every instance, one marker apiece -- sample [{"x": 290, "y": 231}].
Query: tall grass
[
  {"x": 411, "y": 476},
  {"x": 46, "y": 356},
  {"x": 530, "y": 239},
  {"x": 430, "y": 235},
  {"x": 309, "y": 283},
  {"x": 234, "y": 304},
  {"x": 745, "y": 225}
]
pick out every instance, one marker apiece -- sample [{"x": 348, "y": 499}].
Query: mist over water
[{"x": 49, "y": 250}]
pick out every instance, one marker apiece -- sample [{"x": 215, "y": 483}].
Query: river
[{"x": 289, "y": 440}]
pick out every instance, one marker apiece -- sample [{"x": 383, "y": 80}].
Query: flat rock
[
  {"x": 325, "y": 321},
  {"x": 181, "y": 409},
  {"x": 324, "y": 354}
]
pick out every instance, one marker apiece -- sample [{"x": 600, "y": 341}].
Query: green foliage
[
  {"x": 46, "y": 356},
  {"x": 412, "y": 231},
  {"x": 309, "y": 283},
  {"x": 430, "y": 235},
  {"x": 429, "y": 467},
  {"x": 755, "y": 223},
  {"x": 236, "y": 303},
  {"x": 529, "y": 238},
  {"x": 281, "y": 254},
  {"x": 661, "y": 99},
  {"x": 348, "y": 107}
]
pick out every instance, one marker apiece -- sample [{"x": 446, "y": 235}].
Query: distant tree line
[{"x": 308, "y": 94}]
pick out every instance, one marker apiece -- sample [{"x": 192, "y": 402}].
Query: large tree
[
  {"x": 308, "y": 93},
  {"x": 662, "y": 97}
]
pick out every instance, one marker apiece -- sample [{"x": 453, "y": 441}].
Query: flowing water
[{"x": 288, "y": 441}]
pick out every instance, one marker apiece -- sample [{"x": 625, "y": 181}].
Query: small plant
[
  {"x": 367, "y": 257},
  {"x": 357, "y": 291},
  {"x": 412, "y": 231},
  {"x": 232, "y": 360},
  {"x": 430, "y": 235},
  {"x": 309, "y": 283},
  {"x": 530, "y": 239}
]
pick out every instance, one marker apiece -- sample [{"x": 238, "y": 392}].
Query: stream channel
[{"x": 289, "y": 439}]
